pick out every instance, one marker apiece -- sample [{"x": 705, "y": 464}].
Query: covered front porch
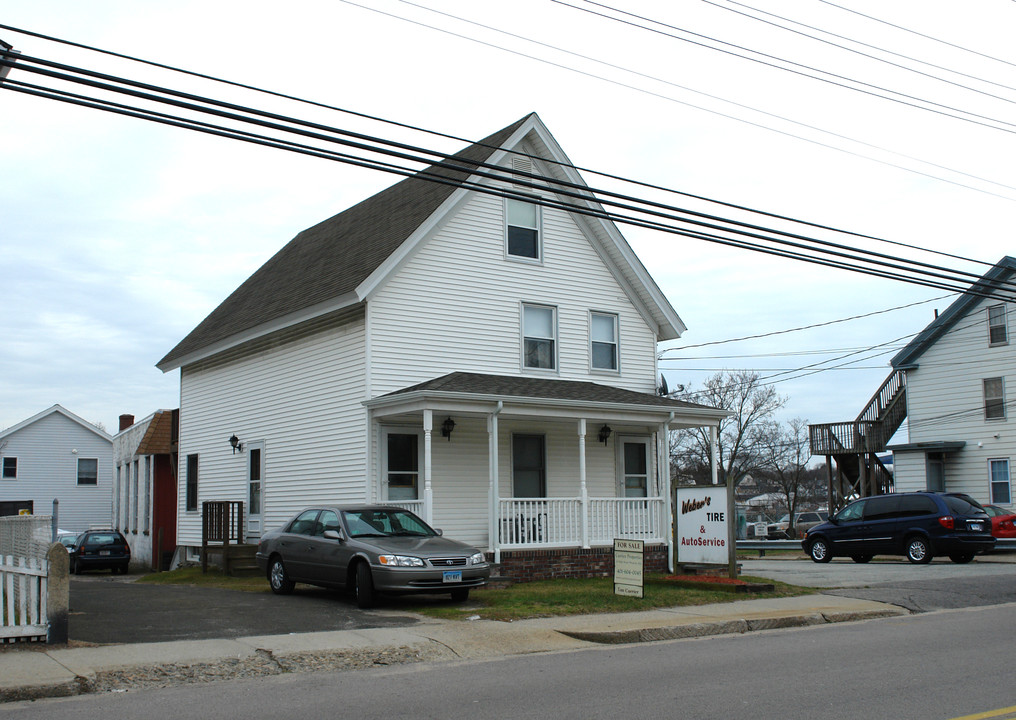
[{"x": 532, "y": 469}]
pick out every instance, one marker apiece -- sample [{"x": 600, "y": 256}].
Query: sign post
[{"x": 629, "y": 567}]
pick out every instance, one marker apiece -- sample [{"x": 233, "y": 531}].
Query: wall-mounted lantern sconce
[
  {"x": 235, "y": 443},
  {"x": 604, "y": 434},
  {"x": 446, "y": 428}
]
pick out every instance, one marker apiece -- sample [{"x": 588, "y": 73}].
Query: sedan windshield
[{"x": 383, "y": 523}]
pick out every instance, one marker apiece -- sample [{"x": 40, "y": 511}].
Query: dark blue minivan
[{"x": 919, "y": 525}]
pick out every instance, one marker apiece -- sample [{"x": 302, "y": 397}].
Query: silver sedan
[{"x": 369, "y": 549}]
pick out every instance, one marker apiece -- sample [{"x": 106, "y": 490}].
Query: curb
[{"x": 729, "y": 627}]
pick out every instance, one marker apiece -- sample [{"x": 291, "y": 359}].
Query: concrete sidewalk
[{"x": 34, "y": 673}]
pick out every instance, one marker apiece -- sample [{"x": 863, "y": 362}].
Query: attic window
[
  {"x": 523, "y": 229},
  {"x": 997, "y": 334}
]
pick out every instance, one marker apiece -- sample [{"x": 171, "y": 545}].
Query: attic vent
[{"x": 522, "y": 165}]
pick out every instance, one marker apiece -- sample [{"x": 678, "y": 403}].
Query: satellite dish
[{"x": 663, "y": 390}]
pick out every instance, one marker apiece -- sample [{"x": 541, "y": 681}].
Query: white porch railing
[
  {"x": 558, "y": 522},
  {"x": 23, "y": 598},
  {"x": 414, "y": 506}
]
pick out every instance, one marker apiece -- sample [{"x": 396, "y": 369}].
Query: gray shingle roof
[
  {"x": 509, "y": 386},
  {"x": 332, "y": 258}
]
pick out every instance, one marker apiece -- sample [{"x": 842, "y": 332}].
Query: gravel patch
[{"x": 261, "y": 664}]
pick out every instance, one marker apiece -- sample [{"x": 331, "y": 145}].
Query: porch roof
[
  {"x": 932, "y": 446},
  {"x": 567, "y": 398}
]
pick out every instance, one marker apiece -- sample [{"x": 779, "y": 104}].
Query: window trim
[
  {"x": 191, "y": 484},
  {"x": 88, "y": 482},
  {"x": 555, "y": 329},
  {"x": 538, "y": 260},
  {"x": 1000, "y": 400},
  {"x": 616, "y": 370},
  {"x": 1004, "y": 325},
  {"x": 991, "y": 481},
  {"x": 3, "y": 468}
]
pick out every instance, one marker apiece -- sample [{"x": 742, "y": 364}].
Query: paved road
[
  {"x": 107, "y": 609},
  {"x": 939, "y": 585}
]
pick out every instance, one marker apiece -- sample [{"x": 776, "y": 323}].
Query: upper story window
[
  {"x": 997, "y": 333},
  {"x": 994, "y": 399},
  {"x": 539, "y": 337},
  {"x": 10, "y": 471},
  {"x": 603, "y": 341},
  {"x": 523, "y": 229},
  {"x": 88, "y": 471}
]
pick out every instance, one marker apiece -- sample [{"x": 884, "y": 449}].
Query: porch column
[
  {"x": 584, "y": 494},
  {"x": 714, "y": 436},
  {"x": 664, "y": 490},
  {"x": 493, "y": 491},
  {"x": 428, "y": 491}
]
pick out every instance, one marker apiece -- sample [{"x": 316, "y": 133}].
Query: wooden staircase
[{"x": 854, "y": 445}]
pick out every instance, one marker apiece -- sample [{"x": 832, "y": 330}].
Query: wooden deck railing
[{"x": 221, "y": 523}]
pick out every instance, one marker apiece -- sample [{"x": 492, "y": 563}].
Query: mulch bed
[{"x": 718, "y": 582}]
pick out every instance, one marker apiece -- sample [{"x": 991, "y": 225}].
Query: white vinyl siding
[
  {"x": 48, "y": 469},
  {"x": 456, "y": 302},
  {"x": 303, "y": 400},
  {"x": 945, "y": 402}
]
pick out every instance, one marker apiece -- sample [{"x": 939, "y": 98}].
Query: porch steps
[
  {"x": 235, "y": 560},
  {"x": 497, "y": 581}
]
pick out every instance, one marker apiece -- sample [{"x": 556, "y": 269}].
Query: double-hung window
[
  {"x": 10, "y": 471},
  {"x": 997, "y": 333},
  {"x": 1000, "y": 488},
  {"x": 539, "y": 337},
  {"x": 88, "y": 471},
  {"x": 994, "y": 399},
  {"x": 603, "y": 341},
  {"x": 523, "y": 229}
]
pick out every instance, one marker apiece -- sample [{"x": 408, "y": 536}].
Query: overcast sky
[{"x": 117, "y": 236}]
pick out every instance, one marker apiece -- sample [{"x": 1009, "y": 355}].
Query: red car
[{"x": 1003, "y": 522}]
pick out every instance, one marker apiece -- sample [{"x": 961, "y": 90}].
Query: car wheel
[
  {"x": 961, "y": 558},
  {"x": 861, "y": 558},
  {"x": 124, "y": 569},
  {"x": 918, "y": 550},
  {"x": 819, "y": 551},
  {"x": 278, "y": 578},
  {"x": 364, "y": 586},
  {"x": 460, "y": 594},
  {"x": 71, "y": 568}
]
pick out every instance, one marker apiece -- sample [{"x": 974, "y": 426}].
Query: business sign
[
  {"x": 629, "y": 567},
  {"x": 702, "y": 525}
]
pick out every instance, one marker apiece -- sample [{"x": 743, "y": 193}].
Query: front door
[
  {"x": 255, "y": 490},
  {"x": 634, "y": 467}
]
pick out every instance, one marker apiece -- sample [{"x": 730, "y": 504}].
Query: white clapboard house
[
  {"x": 55, "y": 455},
  {"x": 460, "y": 344}
]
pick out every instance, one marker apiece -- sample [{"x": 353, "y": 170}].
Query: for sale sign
[
  {"x": 702, "y": 525},
  {"x": 629, "y": 567}
]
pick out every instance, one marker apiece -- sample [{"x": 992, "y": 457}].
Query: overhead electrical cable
[
  {"x": 902, "y": 99},
  {"x": 938, "y": 279}
]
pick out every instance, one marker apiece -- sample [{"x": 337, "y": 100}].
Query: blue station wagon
[{"x": 919, "y": 525}]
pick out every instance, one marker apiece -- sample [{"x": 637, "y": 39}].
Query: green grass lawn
[{"x": 546, "y": 598}]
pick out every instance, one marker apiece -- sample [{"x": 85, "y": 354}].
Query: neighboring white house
[
  {"x": 463, "y": 348},
  {"x": 960, "y": 371},
  {"x": 56, "y": 455}
]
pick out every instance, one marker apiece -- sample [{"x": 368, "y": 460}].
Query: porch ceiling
[{"x": 539, "y": 397}]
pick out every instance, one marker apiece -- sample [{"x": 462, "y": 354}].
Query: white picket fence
[{"x": 23, "y": 592}]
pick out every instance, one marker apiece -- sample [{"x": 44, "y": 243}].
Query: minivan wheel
[
  {"x": 819, "y": 551},
  {"x": 918, "y": 550},
  {"x": 278, "y": 578},
  {"x": 861, "y": 558},
  {"x": 364, "y": 586},
  {"x": 961, "y": 558}
]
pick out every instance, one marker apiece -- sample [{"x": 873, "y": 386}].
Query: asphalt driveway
[{"x": 114, "y": 609}]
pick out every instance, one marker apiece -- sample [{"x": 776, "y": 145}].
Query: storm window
[
  {"x": 523, "y": 229},
  {"x": 994, "y": 399},
  {"x": 539, "y": 337},
  {"x": 997, "y": 333}
]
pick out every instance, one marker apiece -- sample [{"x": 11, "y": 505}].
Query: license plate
[
  {"x": 452, "y": 576},
  {"x": 104, "y": 552},
  {"x": 975, "y": 526}
]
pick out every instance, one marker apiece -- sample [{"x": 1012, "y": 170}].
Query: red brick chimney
[{"x": 126, "y": 421}]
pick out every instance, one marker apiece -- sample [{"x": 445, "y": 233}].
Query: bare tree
[
  {"x": 751, "y": 404},
  {"x": 783, "y": 452}
]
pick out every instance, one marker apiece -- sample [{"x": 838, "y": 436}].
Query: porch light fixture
[
  {"x": 604, "y": 434},
  {"x": 446, "y": 428},
  {"x": 235, "y": 443}
]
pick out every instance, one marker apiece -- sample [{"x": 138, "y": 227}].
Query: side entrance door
[{"x": 255, "y": 490}]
